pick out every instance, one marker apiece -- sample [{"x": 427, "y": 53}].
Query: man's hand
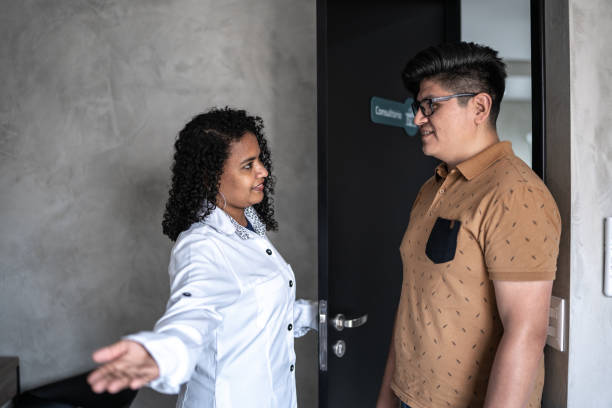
[
  {"x": 128, "y": 364},
  {"x": 387, "y": 399}
]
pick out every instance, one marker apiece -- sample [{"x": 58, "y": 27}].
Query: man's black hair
[{"x": 462, "y": 67}]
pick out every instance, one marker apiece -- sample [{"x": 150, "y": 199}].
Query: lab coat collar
[{"x": 224, "y": 223}]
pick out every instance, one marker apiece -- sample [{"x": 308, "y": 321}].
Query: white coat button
[{"x": 269, "y": 251}]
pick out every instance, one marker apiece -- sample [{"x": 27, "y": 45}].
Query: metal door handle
[{"x": 340, "y": 322}]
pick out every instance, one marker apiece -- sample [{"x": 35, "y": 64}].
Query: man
[{"x": 479, "y": 254}]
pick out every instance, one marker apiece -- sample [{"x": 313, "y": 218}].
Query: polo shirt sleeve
[{"x": 522, "y": 227}]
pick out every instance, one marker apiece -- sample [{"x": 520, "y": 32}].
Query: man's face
[{"x": 449, "y": 132}]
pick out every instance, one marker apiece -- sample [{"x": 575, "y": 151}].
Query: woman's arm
[
  {"x": 202, "y": 284},
  {"x": 128, "y": 364}
]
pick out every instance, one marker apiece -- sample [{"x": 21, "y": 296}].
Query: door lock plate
[{"x": 339, "y": 348}]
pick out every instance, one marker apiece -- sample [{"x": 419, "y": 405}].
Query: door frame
[{"x": 538, "y": 89}]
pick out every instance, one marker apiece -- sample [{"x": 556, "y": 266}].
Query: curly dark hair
[{"x": 201, "y": 149}]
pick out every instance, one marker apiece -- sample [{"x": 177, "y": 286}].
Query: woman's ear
[{"x": 482, "y": 107}]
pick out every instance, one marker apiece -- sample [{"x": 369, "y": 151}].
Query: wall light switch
[
  {"x": 608, "y": 257},
  {"x": 556, "y": 324}
]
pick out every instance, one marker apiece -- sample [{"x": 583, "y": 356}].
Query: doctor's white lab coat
[{"x": 226, "y": 338}]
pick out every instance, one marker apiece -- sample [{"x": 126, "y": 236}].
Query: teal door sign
[{"x": 391, "y": 113}]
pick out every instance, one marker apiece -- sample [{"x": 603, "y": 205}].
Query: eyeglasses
[{"x": 426, "y": 105}]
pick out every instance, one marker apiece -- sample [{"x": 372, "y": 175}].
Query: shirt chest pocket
[{"x": 442, "y": 241}]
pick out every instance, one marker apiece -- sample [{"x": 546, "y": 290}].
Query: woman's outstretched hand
[{"x": 127, "y": 364}]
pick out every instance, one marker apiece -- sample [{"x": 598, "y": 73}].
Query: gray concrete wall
[
  {"x": 93, "y": 94},
  {"x": 590, "y": 359}
]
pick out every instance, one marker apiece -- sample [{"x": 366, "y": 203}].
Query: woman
[{"x": 226, "y": 338}]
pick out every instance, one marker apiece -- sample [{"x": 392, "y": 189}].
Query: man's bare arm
[{"x": 523, "y": 309}]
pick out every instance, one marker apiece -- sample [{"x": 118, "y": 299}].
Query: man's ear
[{"x": 481, "y": 103}]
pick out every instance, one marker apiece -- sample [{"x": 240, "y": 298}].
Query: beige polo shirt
[{"x": 491, "y": 218}]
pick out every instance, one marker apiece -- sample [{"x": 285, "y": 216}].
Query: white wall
[
  {"x": 503, "y": 24},
  {"x": 590, "y": 339}
]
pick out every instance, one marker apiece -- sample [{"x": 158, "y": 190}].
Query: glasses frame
[{"x": 416, "y": 105}]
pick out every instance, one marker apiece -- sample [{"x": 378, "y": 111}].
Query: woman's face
[{"x": 242, "y": 180}]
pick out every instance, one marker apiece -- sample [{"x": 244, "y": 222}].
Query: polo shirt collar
[
  {"x": 441, "y": 171},
  {"x": 475, "y": 165}
]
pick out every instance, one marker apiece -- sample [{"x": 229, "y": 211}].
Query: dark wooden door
[{"x": 369, "y": 175}]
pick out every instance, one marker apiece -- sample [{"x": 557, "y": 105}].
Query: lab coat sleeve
[
  {"x": 202, "y": 284},
  {"x": 305, "y": 316}
]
